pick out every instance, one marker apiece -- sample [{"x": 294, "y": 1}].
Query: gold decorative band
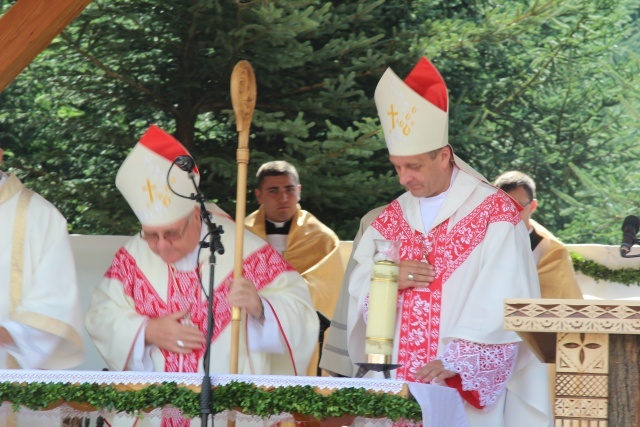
[
  {"x": 381, "y": 359},
  {"x": 380, "y": 340},
  {"x": 383, "y": 279},
  {"x": 17, "y": 253}
]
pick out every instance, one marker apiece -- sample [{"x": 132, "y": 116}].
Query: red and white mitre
[
  {"x": 414, "y": 113},
  {"x": 146, "y": 184}
]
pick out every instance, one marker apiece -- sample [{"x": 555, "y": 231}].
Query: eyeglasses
[
  {"x": 526, "y": 204},
  {"x": 170, "y": 236}
]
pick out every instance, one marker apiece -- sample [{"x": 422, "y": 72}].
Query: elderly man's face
[{"x": 174, "y": 241}]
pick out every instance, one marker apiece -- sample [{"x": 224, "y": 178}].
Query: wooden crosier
[{"x": 243, "y": 99}]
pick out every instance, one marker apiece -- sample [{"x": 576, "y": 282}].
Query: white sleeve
[
  {"x": 140, "y": 359},
  {"x": 261, "y": 337},
  {"x": 32, "y": 346}
]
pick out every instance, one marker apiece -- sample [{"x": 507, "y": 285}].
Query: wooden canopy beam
[{"x": 27, "y": 28}]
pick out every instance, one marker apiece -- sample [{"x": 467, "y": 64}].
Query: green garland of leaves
[
  {"x": 244, "y": 397},
  {"x": 625, "y": 276}
]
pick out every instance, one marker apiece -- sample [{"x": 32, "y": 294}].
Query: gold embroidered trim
[
  {"x": 10, "y": 188},
  {"x": 50, "y": 325},
  {"x": 17, "y": 254}
]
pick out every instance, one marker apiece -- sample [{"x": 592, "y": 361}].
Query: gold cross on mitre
[{"x": 149, "y": 188}]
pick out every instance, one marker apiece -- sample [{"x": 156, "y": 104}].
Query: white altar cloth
[{"x": 441, "y": 406}]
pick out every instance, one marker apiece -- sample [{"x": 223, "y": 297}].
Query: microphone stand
[
  {"x": 206, "y": 403},
  {"x": 624, "y": 252},
  {"x": 630, "y": 227}
]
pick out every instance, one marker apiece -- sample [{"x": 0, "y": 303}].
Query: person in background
[
  {"x": 40, "y": 315},
  {"x": 149, "y": 313},
  {"x": 464, "y": 250},
  {"x": 311, "y": 247},
  {"x": 555, "y": 268}
]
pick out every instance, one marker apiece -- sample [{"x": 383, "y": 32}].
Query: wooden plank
[
  {"x": 27, "y": 28},
  {"x": 624, "y": 380}
]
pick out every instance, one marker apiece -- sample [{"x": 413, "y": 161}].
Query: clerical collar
[{"x": 273, "y": 227}]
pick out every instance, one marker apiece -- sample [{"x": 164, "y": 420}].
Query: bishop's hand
[
  {"x": 244, "y": 294},
  {"x": 415, "y": 274},
  {"x": 172, "y": 334},
  {"x": 433, "y": 372}
]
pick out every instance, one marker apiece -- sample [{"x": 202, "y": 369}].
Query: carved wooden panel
[
  {"x": 574, "y": 423},
  {"x": 595, "y": 345},
  {"x": 581, "y": 382},
  {"x": 582, "y": 353},
  {"x": 609, "y": 317}
]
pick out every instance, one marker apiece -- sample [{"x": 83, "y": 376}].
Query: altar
[
  {"x": 595, "y": 346},
  {"x": 269, "y": 399},
  {"x": 583, "y": 365},
  {"x": 88, "y": 392},
  {"x": 594, "y": 343},
  {"x": 607, "y": 256}
]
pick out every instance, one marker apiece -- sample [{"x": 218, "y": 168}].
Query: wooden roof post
[{"x": 27, "y": 28}]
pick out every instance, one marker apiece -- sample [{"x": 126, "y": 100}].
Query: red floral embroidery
[
  {"x": 175, "y": 422},
  {"x": 484, "y": 368},
  {"x": 261, "y": 268},
  {"x": 420, "y": 317}
]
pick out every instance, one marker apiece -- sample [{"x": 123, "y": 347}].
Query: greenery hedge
[
  {"x": 625, "y": 276},
  {"x": 246, "y": 398}
]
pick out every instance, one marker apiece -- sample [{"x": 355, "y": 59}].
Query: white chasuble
[
  {"x": 139, "y": 286},
  {"x": 40, "y": 307},
  {"x": 480, "y": 251}
]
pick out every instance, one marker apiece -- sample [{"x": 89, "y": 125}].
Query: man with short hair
[
  {"x": 150, "y": 311},
  {"x": 311, "y": 247},
  {"x": 555, "y": 268},
  {"x": 464, "y": 250},
  {"x": 40, "y": 316}
]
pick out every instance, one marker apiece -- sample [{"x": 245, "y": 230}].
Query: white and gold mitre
[
  {"x": 142, "y": 179},
  {"x": 414, "y": 113}
]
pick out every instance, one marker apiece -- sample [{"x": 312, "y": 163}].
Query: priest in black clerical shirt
[{"x": 311, "y": 247}]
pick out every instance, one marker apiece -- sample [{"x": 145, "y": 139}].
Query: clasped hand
[
  {"x": 169, "y": 332},
  {"x": 415, "y": 274},
  {"x": 174, "y": 333},
  {"x": 244, "y": 294}
]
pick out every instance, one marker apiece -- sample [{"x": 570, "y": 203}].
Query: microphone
[
  {"x": 630, "y": 227},
  {"x": 186, "y": 163}
]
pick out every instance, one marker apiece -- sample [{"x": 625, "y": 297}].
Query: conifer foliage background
[{"x": 548, "y": 87}]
